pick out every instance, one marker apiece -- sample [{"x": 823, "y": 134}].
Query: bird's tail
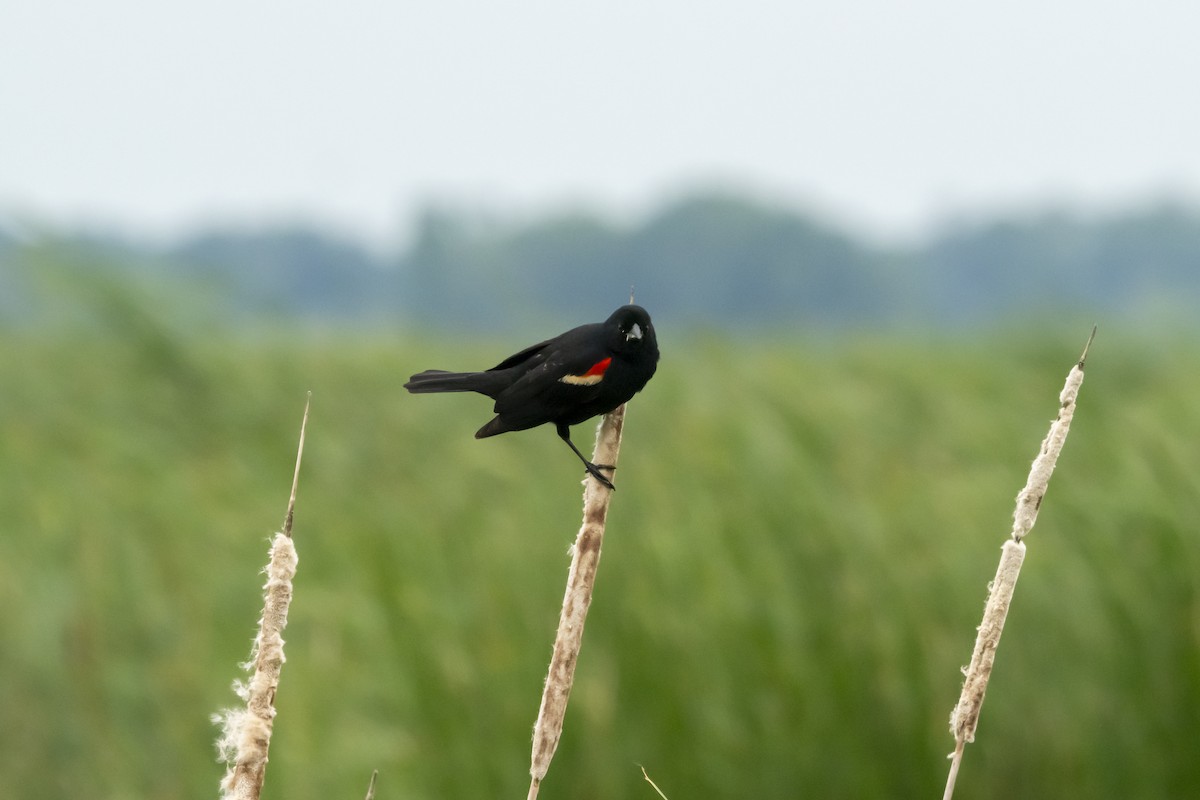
[{"x": 437, "y": 380}]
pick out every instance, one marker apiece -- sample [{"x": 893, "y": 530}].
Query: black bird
[{"x": 577, "y": 375}]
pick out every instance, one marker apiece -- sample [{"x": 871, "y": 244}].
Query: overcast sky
[{"x": 886, "y": 116}]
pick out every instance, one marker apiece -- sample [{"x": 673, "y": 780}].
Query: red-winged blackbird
[{"x": 587, "y": 371}]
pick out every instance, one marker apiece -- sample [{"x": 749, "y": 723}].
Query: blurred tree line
[{"x": 716, "y": 259}]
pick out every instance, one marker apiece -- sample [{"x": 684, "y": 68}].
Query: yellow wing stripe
[{"x": 582, "y": 380}]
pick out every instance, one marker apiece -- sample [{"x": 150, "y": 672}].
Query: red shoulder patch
[
  {"x": 594, "y": 374},
  {"x": 599, "y": 367}
]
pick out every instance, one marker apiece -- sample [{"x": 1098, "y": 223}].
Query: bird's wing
[
  {"x": 571, "y": 371},
  {"x": 576, "y": 345},
  {"x": 521, "y": 357}
]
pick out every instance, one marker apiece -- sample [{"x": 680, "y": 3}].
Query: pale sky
[{"x": 886, "y": 117}]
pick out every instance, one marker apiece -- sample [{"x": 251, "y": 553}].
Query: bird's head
[{"x": 630, "y": 330}]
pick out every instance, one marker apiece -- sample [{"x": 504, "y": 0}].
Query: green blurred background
[
  {"x": 874, "y": 238},
  {"x": 796, "y": 558}
]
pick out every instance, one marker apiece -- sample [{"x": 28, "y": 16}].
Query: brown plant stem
[
  {"x": 965, "y": 717},
  {"x": 246, "y": 732},
  {"x": 581, "y": 578}
]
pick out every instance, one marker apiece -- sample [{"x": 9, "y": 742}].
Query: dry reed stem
[
  {"x": 965, "y": 717},
  {"x": 371, "y": 786},
  {"x": 246, "y": 732},
  {"x": 646, "y": 775},
  {"x": 581, "y": 577}
]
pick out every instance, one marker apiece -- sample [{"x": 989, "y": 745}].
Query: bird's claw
[{"x": 594, "y": 471}]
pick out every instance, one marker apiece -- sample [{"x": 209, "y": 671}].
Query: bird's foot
[{"x": 594, "y": 471}]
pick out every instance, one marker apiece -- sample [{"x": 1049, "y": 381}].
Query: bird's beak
[{"x": 634, "y": 333}]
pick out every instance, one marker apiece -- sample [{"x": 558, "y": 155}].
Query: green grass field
[{"x": 796, "y": 560}]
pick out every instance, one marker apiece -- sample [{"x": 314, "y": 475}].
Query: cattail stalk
[
  {"x": 581, "y": 577},
  {"x": 246, "y": 732},
  {"x": 965, "y": 717}
]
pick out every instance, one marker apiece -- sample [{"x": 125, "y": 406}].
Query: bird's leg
[{"x": 564, "y": 433}]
